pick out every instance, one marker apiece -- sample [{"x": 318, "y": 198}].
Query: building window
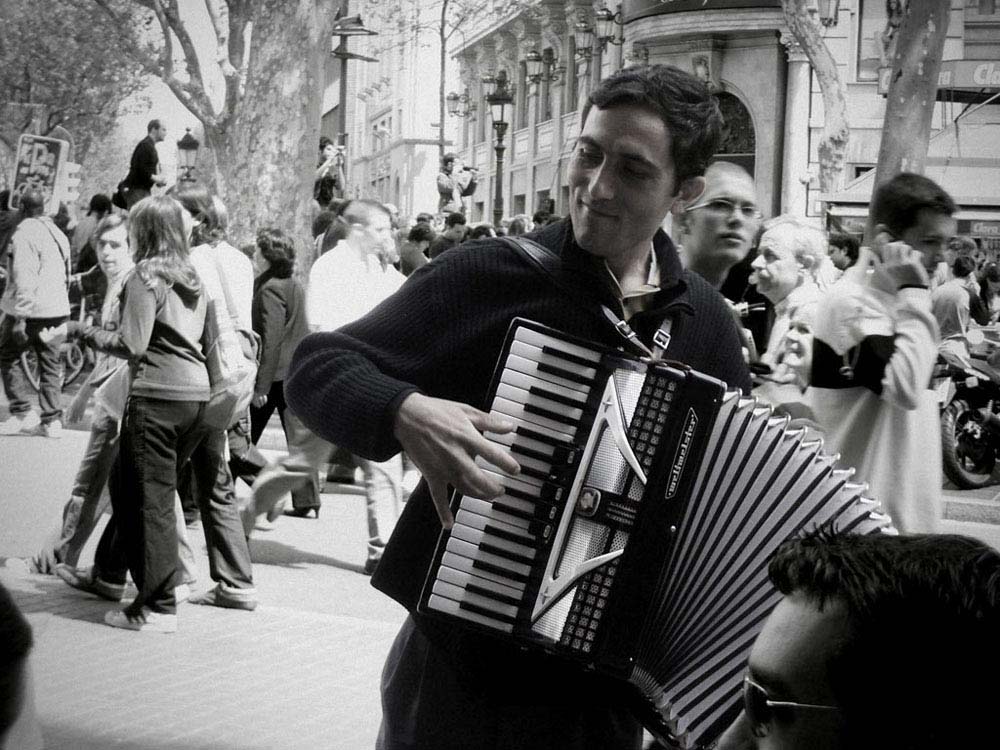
[
  {"x": 987, "y": 7},
  {"x": 739, "y": 140},
  {"x": 859, "y": 169}
]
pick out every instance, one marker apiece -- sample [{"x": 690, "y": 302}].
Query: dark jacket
[
  {"x": 442, "y": 334},
  {"x": 145, "y": 163},
  {"x": 279, "y": 317}
]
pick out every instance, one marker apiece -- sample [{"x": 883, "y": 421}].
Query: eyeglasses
[
  {"x": 760, "y": 708},
  {"x": 723, "y": 207}
]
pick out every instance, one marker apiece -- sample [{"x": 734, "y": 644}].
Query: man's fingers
[
  {"x": 498, "y": 457},
  {"x": 439, "y": 493},
  {"x": 485, "y": 422}
]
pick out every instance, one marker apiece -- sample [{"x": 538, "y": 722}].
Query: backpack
[{"x": 231, "y": 355}]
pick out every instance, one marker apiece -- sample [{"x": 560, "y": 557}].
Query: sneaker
[
  {"x": 146, "y": 619},
  {"x": 53, "y": 429},
  {"x": 217, "y": 597},
  {"x": 20, "y": 424},
  {"x": 86, "y": 580}
]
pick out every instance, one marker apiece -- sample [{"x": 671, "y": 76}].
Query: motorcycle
[{"x": 969, "y": 394}]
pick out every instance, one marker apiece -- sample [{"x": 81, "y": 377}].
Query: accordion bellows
[{"x": 635, "y": 539}]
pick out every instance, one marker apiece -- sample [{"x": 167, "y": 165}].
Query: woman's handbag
[{"x": 231, "y": 355}]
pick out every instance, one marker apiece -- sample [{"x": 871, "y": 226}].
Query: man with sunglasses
[
  {"x": 874, "y": 645},
  {"x": 415, "y": 372}
]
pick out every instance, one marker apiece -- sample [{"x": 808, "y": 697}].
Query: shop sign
[
  {"x": 985, "y": 229},
  {"x": 955, "y": 74},
  {"x": 636, "y": 8}
]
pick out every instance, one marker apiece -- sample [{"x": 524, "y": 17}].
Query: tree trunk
[
  {"x": 265, "y": 149},
  {"x": 912, "y": 89},
  {"x": 836, "y": 132}
]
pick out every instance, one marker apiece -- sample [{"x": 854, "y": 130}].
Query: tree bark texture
[
  {"x": 836, "y": 130},
  {"x": 912, "y": 89}
]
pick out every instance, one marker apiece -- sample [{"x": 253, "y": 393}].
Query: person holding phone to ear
[{"x": 875, "y": 344}]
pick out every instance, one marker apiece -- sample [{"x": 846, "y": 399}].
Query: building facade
[
  {"x": 766, "y": 89},
  {"x": 393, "y": 120}
]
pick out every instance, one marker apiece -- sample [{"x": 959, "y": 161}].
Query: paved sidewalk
[{"x": 301, "y": 671}]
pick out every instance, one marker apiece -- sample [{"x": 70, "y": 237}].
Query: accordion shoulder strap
[{"x": 546, "y": 261}]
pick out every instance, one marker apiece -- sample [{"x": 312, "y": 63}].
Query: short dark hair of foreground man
[
  {"x": 414, "y": 373},
  {"x": 877, "y": 645}
]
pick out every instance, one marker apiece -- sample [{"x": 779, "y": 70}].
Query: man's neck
[{"x": 632, "y": 268}]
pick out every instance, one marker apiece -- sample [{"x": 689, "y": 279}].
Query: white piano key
[
  {"x": 460, "y": 595},
  {"x": 521, "y": 396},
  {"x": 465, "y": 564},
  {"x": 476, "y": 521},
  {"x": 451, "y": 607},
  {"x": 524, "y": 484},
  {"x": 465, "y": 549},
  {"x": 539, "y": 339},
  {"x": 525, "y": 382},
  {"x": 510, "y": 408},
  {"x": 482, "y": 463},
  {"x": 517, "y": 362},
  {"x": 508, "y": 439},
  {"x": 464, "y": 579},
  {"x": 480, "y": 537},
  {"x": 535, "y": 354},
  {"x": 486, "y": 508}
]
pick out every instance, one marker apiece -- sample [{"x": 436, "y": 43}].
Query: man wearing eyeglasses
[
  {"x": 874, "y": 646},
  {"x": 719, "y": 228}
]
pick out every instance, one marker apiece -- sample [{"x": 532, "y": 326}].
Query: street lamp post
[
  {"x": 343, "y": 29},
  {"x": 187, "y": 156},
  {"x": 498, "y": 98}
]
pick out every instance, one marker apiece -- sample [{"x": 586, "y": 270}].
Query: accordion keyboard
[{"x": 491, "y": 556}]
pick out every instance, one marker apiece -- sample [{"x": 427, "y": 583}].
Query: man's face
[
  {"x": 841, "y": 260},
  {"x": 376, "y": 237},
  {"x": 776, "y": 270},
  {"x": 159, "y": 133},
  {"x": 455, "y": 232},
  {"x": 447, "y": 166},
  {"x": 930, "y": 235},
  {"x": 328, "y": 152},
  {"x": 113, "y": 254},
  {"x": 621, "y": 180},
  {"x": 789, "y": 660},
  {"x": 721, "y": 233}
]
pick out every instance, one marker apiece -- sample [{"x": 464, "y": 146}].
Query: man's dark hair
[
  {"x": 425, "y": 217},
  {"x": 897, "y": 202},
  {"x": 325, "y": 141},
  {"x": 540, "y": 218},
  {"x": 454, "y": 218},
  {"x": 421, "y": 232},
  {"x": 4, "y": 200},
  {"x": 153, "y": 125},
  {"x": 448, "y": 158},
  {"x": 322, "y": 222},
  {"x": 848, "y": 243},
  {"x": 32, "y": 203},
  {"x": 924, "y": 614},
  {"x": 963, "y": 266},
  {"x": 278, "y": 250},
  {"x": 481, "y": 230},
  {"x": 684, "y": 103}
]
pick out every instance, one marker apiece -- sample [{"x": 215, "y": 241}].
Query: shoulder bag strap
[{"x": 547, "y": 262}]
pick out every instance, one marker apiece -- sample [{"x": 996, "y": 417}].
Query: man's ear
[{"x": 687, "y": 193}]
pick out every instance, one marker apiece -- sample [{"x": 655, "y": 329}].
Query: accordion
[{"x": 636, "y": 537}]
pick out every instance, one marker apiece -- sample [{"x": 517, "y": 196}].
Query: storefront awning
[{"x": 962, "y": 81}]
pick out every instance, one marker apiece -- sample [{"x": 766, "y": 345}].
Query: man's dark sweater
[
  {"x": 144, "y": 164},
  {"x": 442, "y": 334}
]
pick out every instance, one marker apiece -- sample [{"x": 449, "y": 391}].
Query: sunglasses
[{"x": 759, "y": 707}]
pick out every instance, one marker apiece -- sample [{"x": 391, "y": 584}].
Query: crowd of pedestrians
[{"x": 380, "y": 358}]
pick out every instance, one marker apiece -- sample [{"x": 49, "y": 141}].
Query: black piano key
[
  {"x": 555, "y": 416},
  {"x": 476, "y": 609},
  {"x": 565, "y": 374},
  {"x": 482, "y": 591}
]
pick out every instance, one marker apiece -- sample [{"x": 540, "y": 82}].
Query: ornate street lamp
[
  {"x": 499, "y": 97},
  {"x": 608, "y": 27},
  {"x": 583, "y": 33},
  {"x": 540, "y": 66},
  {"x": 459, "y": 105},
  {"x": 187, "y": 156},
  {"x": 344, "y": 28},
  {"x": 829, "y": 12}
]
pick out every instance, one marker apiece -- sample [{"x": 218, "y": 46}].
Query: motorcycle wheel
[{"x": 969, "y": 456}]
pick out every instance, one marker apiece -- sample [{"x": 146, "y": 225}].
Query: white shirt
[
  {"x": 345, "y": 285},
  {"x": 239, "y": 276}
]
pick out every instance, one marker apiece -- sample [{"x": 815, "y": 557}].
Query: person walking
[
  {"x": 36, "y": 297},
  {"x": 162, "y": 325},
  {"x": 144, "y": 167},
  {"x": 279, "y": 318}
]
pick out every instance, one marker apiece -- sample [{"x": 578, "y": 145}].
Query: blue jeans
[
  {"x": 50, "y": 370},
  {"x": 158, "y": 437}
]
